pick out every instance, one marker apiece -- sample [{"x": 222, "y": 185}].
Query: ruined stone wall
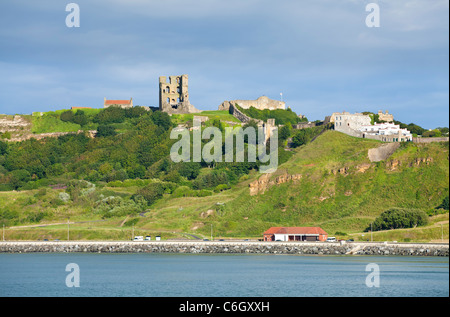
[
  {"x": 174, "y": 95},
  {"x": 240, "y": 116},
  {"x": 385, "y": 116},
  {"x": 90, "y": 133},
  {"x": 261, "y": 103},
  {"x": 303, "y": 125},
  {"x": 429, "y": 140}
]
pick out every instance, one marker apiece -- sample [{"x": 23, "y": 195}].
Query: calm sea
[{"x": 219, "y": 275}]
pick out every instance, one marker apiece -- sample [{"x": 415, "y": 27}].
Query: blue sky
[{"x": 319, "y": 53}]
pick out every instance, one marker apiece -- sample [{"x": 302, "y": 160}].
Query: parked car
[
  {"x": 331, "y": 239},
  {"x": 138, "y": 238}
]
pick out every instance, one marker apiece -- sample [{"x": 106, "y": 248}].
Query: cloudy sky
[{"x": 319, "y": 54}]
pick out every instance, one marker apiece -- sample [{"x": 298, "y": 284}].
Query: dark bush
[
  {"x": 396, "y": 218},
  {"x": 105, "y": 130}
]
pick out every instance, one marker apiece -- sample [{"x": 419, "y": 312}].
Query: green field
[{"x": 49, "y": 121}]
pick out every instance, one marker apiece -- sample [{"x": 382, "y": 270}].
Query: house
[
  {"x": 118, "y": 103},
  {"x": 295, "y": 234},
  {"x": 349, "y": 123},
  {"x": 387, "y": 132}
]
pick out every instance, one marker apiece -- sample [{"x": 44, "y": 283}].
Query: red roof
[
  {"x": 295, "y": 230},
  {"x": 117, "y": 102}
]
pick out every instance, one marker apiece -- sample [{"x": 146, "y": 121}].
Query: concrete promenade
[{"x": 231, "y": 247}]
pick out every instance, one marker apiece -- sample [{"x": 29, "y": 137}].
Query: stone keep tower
[{"x": 174, "y": 95}]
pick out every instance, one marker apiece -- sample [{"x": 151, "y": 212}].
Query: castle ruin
[
  {"x": 174, "y": 95},
  {"x": 261, "y": 103},
  {"x": 387, "y": 117}
]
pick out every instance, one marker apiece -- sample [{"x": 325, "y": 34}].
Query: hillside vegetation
[{"x": 123, "y": 183}]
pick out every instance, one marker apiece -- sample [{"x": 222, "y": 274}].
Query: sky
[{"x": 320, "y": 54}]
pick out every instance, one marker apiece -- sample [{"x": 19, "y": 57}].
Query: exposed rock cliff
[{"x": 266, "y": 181}]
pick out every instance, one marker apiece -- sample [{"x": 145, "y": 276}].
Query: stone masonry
[
  {"x": 261, "y": 103},
  {"x": 250, "y": 247},
  {"x": 174, "y": 95}
]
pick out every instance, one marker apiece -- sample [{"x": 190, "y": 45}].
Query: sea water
[{"x": 220, "y": 275}]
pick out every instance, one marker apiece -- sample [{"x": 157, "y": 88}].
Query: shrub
[
  {"x": 110, "y": 115},
  {"x": 105, "y": 130},
  {"x": 115, "y": 206},
  {"x": 151, "y": 192},
  {"x": 65, "y": 197},
  {"x": 444, "y": 204},
  {"x": 67, "y": 116},
  {"x": 211, "y": 180},
  {"x": 395, "y": 218},
  {"x": 221, "y": 187},
  {"x": 3, "y": 147}
]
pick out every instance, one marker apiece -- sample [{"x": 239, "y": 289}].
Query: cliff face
[
  {"x": 266, "y": 181},
  {"x": 16, "y": 127},
  {"x": 13, "y": 123},
  {"x": 382, "y": 152}
]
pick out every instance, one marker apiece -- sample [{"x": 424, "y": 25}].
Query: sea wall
[{"x": 248, "y": 247}]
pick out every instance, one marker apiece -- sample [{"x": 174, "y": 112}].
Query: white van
[
  {"x": 138, "y": 238},
  {"x": 331, "y": 239}
]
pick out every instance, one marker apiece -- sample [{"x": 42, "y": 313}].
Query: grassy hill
[{"x": 339, "y": 190}]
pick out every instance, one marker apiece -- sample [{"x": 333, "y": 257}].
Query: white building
[
  {"x": 347, "y": 120},
  {"x": 387, "y": 131}
]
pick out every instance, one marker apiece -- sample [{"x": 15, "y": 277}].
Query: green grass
[
  {"x": 436, "y": 231},
  {"x": 222, "y": 115},
  {"x": 49, "y": 121}
]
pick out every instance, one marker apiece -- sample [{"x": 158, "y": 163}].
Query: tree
[
  {"x": 190, "y": 170},
  {"x": 67, "y": 116},
  {"x": 135, "y": 112},
  {"x": 395, "y": 218},
  {"x": 444, "y": 204},
  {"x": 162, "y": 119},
  {"x": 105, "y": 130},
  {"x": 80, "y": 118},
  {"x": 3, "y": 147},
  {"x": 300, "y": 138},
  {"x": 285, "y": 132},
  {"x": 19, "y": 178},
  {"x": 110, "y": 115},
  {"x": 150, "y": 193}
]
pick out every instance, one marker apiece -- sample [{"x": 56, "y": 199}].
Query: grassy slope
[
  {"x": 338, "y": 203},
  {"x": 49, "y": 121}
]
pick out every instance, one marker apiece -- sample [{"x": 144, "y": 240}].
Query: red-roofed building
[
  {"x": 295, "y": 234},
  {"x": 118, "y": 103}
]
